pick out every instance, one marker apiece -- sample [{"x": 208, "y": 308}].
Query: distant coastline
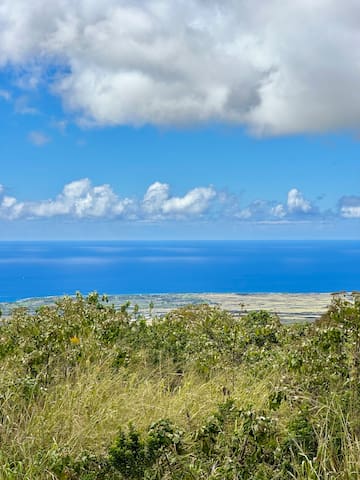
[{"x": 290, "y": 307}]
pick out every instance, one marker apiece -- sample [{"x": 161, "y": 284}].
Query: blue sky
[{"x": 142, "y": 120}]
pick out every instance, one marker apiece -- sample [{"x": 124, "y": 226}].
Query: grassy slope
[{"x": 235, "y": 398}]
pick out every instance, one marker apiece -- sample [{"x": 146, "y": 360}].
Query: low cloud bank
[{"x": 81, "y": 199}]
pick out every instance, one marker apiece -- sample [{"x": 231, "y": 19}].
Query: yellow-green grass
[
  {"x": 68, "y": 387},
  {"x": 85, "y": 411}
]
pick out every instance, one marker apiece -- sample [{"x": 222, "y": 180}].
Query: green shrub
[{"x": 287, "y": 397}]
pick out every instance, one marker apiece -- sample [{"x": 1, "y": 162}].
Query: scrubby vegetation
[{"x": 91, "y": 392}]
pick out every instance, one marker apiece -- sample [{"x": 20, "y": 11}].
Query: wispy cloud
[
  {"x": 59, "y": 125},
  {"x": 5, "y": 95},
  {"x": 21, "y": 106},
  {"x": 38, "y": 138}
]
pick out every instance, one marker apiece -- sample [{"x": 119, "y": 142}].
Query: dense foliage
[{"x": 92, "y": 392}]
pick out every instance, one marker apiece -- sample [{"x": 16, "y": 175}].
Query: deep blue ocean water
[{"x": 37, "y": 269}]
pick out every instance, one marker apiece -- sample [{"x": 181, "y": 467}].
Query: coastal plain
[{"x": 290, "y": 307}]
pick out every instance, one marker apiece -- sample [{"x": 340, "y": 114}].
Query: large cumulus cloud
[{"x": 276, "y": 67}]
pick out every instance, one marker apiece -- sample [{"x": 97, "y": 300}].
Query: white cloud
[
  {"x": 158, "y": 202},
  {"x": 349, "y": 207},
  {"x": 350, "y": 212},
  {"x": 155, "y": 197},
  {"x": 244, "y": 214},
  {"x": 80, "y": 199},
  {"x": 38, "y": 138},
  {"x": 295, "y": 208},
  {"x": 8, "y": 202},
  {"x": 256, "y": 210},
  {"x": 9, "y": 207},
  {"x": 279, "y": 211},
  {"x": 272, "y": 66},
  {"x": 296, "y": 202}
]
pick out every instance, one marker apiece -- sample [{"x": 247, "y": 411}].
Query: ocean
[{"x": 39, "y": 269}]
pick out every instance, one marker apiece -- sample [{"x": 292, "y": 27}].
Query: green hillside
[{"x": 90, "y": 391}]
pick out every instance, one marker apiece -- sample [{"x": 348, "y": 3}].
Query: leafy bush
[{"x": 208, "y": 395}]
